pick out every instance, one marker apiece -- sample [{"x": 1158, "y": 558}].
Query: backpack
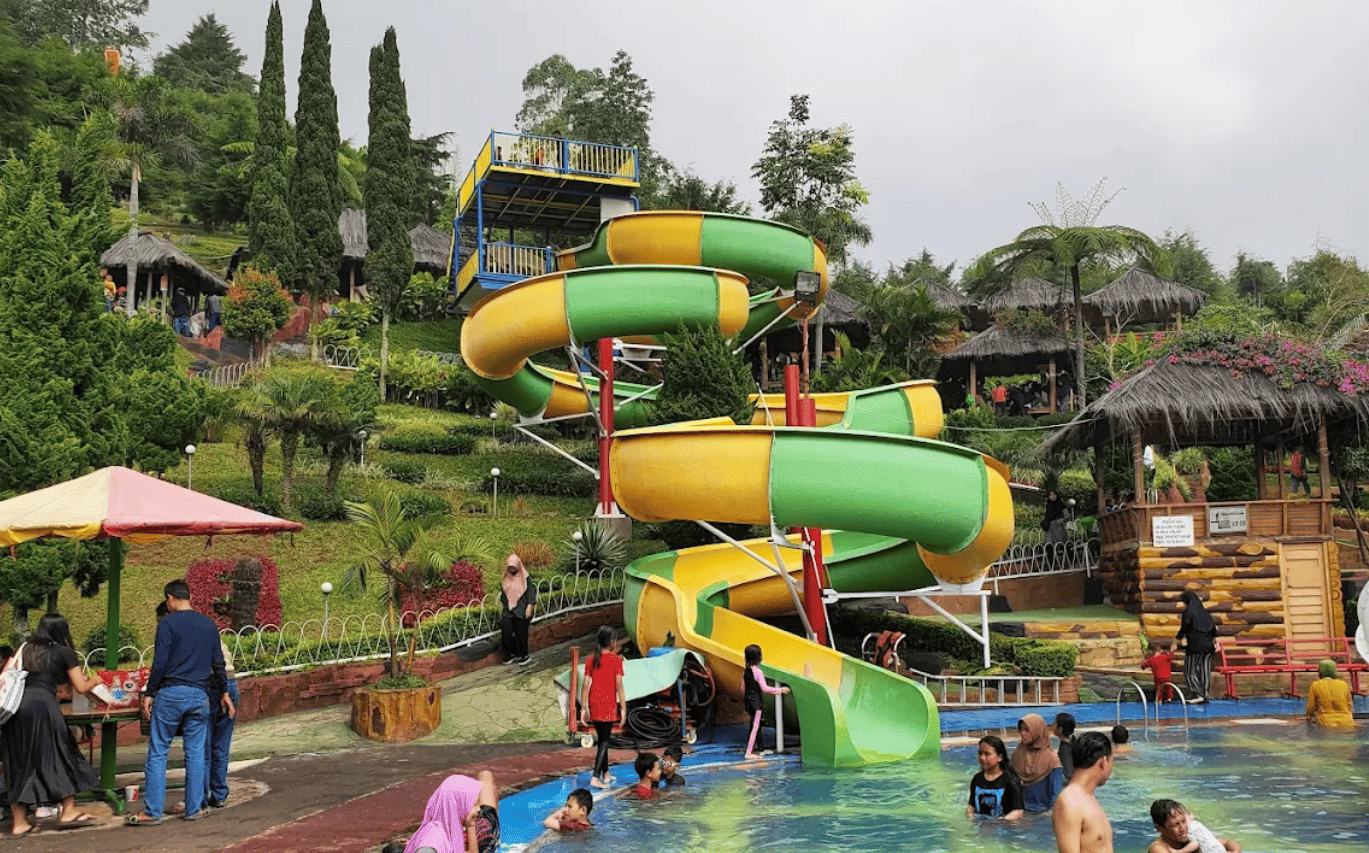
[{"x": 12, "y": 685}]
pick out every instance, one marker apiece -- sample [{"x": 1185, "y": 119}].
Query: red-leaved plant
[
  {"x": 211, "y": 582},
  {"x": 462, "y": 585}
]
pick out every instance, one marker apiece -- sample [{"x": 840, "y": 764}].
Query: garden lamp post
[
  {"x": 494, "y": 422},
  {"x": 494, "y": 505},
  {"x": 327, "y": 589},
  {"x": 190, "y": 466},
  {"x": 576, "y": 537},
  {"x": 362, "y": 435}
]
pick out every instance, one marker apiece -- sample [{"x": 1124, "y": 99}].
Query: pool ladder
[{"x": 1145, "y": 715}]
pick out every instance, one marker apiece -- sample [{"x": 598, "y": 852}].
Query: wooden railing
[{"x": 1264, "y": 519}]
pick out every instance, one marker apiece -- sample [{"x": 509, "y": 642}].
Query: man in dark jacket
[
  {"x": 213, "y": 312},
  {"x": 187, "y": 670},
  {"x": 180, "y": 312}
]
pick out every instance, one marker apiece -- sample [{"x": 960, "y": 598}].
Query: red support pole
[
  {"x": 606, "y": 504},
  {"x": 802, "y": 412},
  {"x": 813, "y": 569}
]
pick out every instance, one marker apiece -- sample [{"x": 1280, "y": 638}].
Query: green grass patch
[{"x": 432, "y": 335}]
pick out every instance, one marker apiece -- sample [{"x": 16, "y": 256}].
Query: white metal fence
[
  {"x": 227, "y": 375},
  {"x": 345, "y": 357},
  {"x": 1072, "y": 555},
  {"x": 350, "y": 639}
]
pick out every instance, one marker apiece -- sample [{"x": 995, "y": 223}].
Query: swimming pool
[{"x": 1274, "y": 788}]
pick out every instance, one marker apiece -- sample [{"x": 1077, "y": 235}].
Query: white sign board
[
  {"x": 1226, "y": 519},
  {"x": 1171, "y": 531}
]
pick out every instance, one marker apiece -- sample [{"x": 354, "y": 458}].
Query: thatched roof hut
[
  {"x": 351, "y": 226},
  {"x": 838, "y": 309},
  {"x": 1139, "y": 296},
  {"x": 165, "y": 266},
  {"x": 949, "y": 299},
  {"x": 1185, "y": 404},
  {"x": 432, "y": 248},
  {"x": 1006, "y": 352},
  {"x": 1029, "y": 294}
]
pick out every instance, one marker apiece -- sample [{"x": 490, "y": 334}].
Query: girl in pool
[
  {"x": 1037, "y": 765},
  {"x": 995, "y": 790},
  {"x": 753, "y": 684}
]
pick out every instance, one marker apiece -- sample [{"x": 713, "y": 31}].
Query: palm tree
[
  {"x": 288, "y": 404},
  {"x": 401, "y": 549},
  {"x": 148, "y": 130},
  {"x": 1067, "y": 240}
]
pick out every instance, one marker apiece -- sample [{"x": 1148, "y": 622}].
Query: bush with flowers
[
  {"x": 462, "y": 585},
  {"x": 211, "y": 583},
  {"x": 1286, "y": 362}
]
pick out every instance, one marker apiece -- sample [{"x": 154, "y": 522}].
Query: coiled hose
[{"x": 647, "y": 727}]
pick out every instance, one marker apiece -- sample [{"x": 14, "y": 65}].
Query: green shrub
[
  {"x": 1233, "y": 474},
  {"x": 405, "y": 470},
  {"x": 561, "y": 482},
  {"x": 482, "y": 429},
  {"x": 419, "y": 504},
  {"x": 687, "y": 534},
  {"x": 426, "y": 438},
  {"x": 1188, "y": 461},
  {"x": 1077, "y": 484},
  {"x": 320, "y": 505},
  {"x": 129, "y": 646},
  {"x": 1043, "y": 658},
  {"x": 475, "y": 506},
  {"x": 243, "y": 494}
]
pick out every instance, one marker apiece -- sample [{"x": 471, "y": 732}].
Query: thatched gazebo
[
  {"x": 351, "y": 226},
  {"x": 161, "y": 267},
  {"x": 948, "y": 299},
  {"x": 838, "y": 313},
  {"x": 1006, "y": 352},
  {"x": 1141, "y": 297},
  {"x": 1267, "y": 567},
  {"x": 432, "y": 249},
  {"x": 1029, "y": 294}
]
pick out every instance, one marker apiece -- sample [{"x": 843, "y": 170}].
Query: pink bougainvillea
[
  {"x": 462, "y": 585},
  {"x": 211, "y": 582}
]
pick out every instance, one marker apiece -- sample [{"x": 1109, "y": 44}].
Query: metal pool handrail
[
  {"x": 1145, "y": 714},
  {"x": 1183, "y": 703}
]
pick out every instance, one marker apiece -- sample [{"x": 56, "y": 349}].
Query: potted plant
[{"x": 401, "y": 706}]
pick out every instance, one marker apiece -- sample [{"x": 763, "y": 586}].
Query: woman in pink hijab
[
  {"x": 462, "y": 817},
  {"x": 517, "y": 596}
]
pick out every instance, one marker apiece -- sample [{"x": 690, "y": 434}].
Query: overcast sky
[{"x": 1236, "y": 120}]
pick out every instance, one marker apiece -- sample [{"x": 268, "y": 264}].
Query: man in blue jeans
[{"x": 187, "y": 669}]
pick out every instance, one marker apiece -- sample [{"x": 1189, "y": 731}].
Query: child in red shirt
[
  {"x": 574, "y": 815},
  {"x": 648, "y": 767},
  {"x": 1161, "y": 666}
]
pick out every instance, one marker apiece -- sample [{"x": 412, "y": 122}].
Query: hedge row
[
  {"x": 315, "y": 503},
  {"x": 1044, "y": 658},
  {"x": 427, "y": 439}
]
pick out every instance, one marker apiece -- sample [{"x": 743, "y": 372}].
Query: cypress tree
[
  {"x": 270, "y": 230},
  {"x": 388, "y": 191},
  {"x": 315, "y": 189}
]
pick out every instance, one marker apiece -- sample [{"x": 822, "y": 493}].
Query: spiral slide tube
[{"x": 910, "y": 510}]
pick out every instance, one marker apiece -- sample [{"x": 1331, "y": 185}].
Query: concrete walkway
[{"x": 306, "y": 782}]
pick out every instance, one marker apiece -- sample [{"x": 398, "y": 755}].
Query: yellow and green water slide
[{"x": 900, "y": 510}]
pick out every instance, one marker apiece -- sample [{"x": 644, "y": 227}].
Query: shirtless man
[
  {"x": 1080, "y": 824},
  {"x": 1180, "y": 833}
]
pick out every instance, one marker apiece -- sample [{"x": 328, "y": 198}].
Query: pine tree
[
  {"x": 58, "y": 418},
  {"x": 270, "y": 229},
  {"x": 388, "y": 189},
  {"x": 315, "y": 188}
]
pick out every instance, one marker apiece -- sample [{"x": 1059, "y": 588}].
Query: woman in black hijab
[{"x": 1197, "y": 634}]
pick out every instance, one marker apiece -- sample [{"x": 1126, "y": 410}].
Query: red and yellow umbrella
[{"x": 120, "y": 504}]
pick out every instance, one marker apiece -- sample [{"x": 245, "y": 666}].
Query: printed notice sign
[
  {"x": 1171, "y": 531},
  {"x": 1225, "y": 519}
]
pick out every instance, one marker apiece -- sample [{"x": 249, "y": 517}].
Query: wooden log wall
[{"x": 1239, "y": 582}]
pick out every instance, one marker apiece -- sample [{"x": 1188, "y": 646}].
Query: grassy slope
[
  {"x": 324, "y": 550},
  {"x": 431, "y": 335}
]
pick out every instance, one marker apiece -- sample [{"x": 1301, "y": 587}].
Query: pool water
[{"x": 1272, "y": 788}]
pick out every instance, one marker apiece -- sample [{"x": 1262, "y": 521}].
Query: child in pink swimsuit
[{"x": 753, "y": 685}]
